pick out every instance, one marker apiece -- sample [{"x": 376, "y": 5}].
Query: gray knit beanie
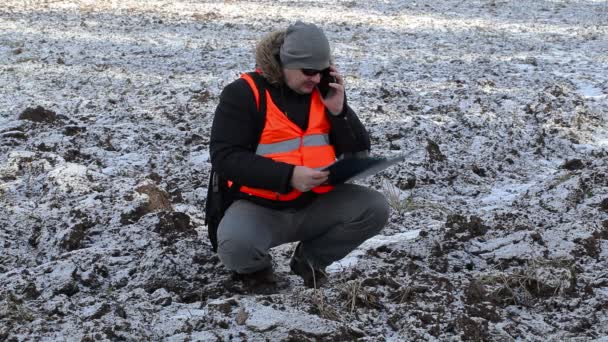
[{"x": 305, "y": 47}]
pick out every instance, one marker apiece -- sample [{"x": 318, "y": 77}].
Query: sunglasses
[{"x": 313, "y": 72}]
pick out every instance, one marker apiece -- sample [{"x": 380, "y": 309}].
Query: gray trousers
[{"x": 329, "y": 228}]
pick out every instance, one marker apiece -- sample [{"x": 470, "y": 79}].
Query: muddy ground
[{"x": 499, "y": 223}]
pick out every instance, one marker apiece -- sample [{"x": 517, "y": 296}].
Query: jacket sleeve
[
  {"x": 348, "y": 135},
  {"x": 235, "y": 133}
]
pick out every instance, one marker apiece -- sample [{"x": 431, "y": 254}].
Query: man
[{"x": 272, "y": 136}]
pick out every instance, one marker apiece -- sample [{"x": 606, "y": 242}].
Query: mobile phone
[{"x": 326, "y": 79}]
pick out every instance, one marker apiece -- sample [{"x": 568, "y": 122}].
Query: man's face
[{"x": 299, "y": 82}]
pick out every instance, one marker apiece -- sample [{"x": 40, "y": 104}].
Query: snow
[
  {"x": 354, "y": 257},
  {"x": 266, "y": 318},
  {"x": 513, "y": 93}
]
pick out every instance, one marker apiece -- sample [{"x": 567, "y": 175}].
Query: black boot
[
  {"x": 313, "y": 277},
  {"x": 263, "y": 281}
]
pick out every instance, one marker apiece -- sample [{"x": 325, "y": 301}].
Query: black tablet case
[{"x": 349, "y": 169}]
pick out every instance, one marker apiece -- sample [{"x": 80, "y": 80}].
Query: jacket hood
[{"x": 267, "y": 57}]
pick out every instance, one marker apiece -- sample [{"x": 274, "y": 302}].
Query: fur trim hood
[{"x": 267, "y": 57}]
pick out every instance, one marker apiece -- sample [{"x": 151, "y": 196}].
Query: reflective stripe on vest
[
  {"x": 284, "y": 141},
  {"x": 293, "y": 144}
]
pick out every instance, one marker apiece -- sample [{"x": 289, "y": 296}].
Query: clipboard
[{"x": 350, "y": 169}]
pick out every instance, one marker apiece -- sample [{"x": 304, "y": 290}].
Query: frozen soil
[{"x": 499, "y": 228}]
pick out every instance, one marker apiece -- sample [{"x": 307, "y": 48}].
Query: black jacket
[{"x": 237, "y": 127}]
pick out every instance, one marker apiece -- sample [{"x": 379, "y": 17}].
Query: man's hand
[
  {"x": 305, "y": 178},
  {"x": 335, "y": 98}
]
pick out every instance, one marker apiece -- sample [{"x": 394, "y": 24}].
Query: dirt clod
[
  {"x": 38, "y": 114},
  {"x": 573, "y": 164}
]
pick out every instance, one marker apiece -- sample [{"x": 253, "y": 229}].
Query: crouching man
[{"x": 273, "y": 134}]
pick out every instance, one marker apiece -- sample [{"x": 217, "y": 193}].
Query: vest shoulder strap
[{"x": 257, "y": 85}]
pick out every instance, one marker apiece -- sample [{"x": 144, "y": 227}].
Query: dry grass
[
  {"x": 356, "y": 295},
  {"x": 15, "y": 309},
  {"x": 401, "y": 204},
  {"x": 539, "y": 278},
  {"x": 394, "y": 197},
  {"x": 324, "y": 310},
  {"x": 403, "y": 295}
]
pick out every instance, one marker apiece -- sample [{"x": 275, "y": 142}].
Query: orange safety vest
[{"x": 284, "y": 141}]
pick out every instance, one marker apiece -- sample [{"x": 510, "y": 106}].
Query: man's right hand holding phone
[{"x": 334, "y": 101}]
